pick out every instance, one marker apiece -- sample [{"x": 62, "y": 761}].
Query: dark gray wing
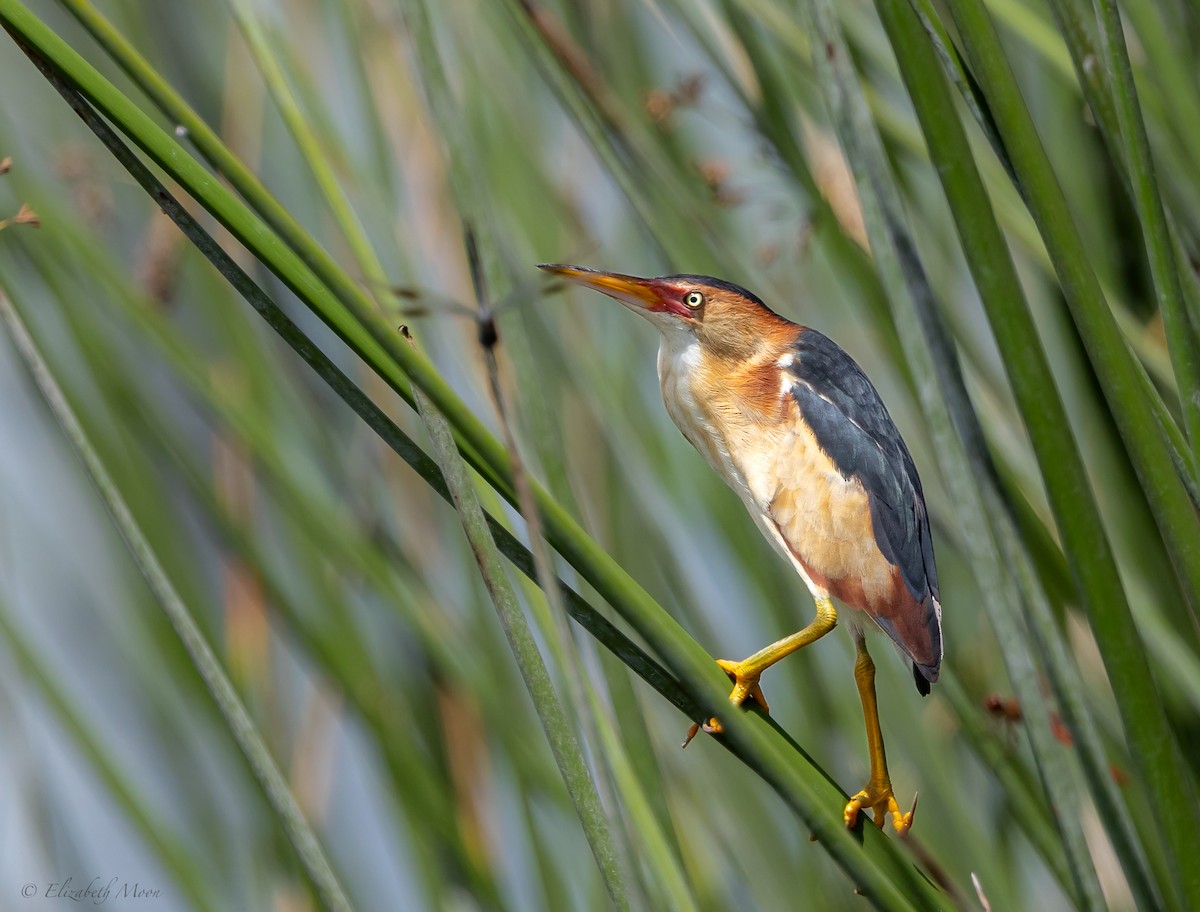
[{"x": 853, "y": 427}]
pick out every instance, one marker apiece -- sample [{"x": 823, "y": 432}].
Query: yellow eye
[{"x": 694, "y": 300}]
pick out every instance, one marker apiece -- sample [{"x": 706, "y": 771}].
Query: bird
[{"x": 794, "y": 426}]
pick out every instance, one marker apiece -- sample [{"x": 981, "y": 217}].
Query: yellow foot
[
  {"x": 881, "y": 801},
  {"x": 745, "y": 687}
]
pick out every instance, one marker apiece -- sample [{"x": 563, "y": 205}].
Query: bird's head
[{"x": 724, "y": 318}]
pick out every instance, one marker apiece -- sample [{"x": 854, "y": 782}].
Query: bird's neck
[{"x": 716, "y": 399}]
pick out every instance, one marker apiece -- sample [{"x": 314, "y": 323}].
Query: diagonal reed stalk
[
  {"x": 1016, "y": 511},
  {"x": 1075, "y": 511},
  {"x": 558, "y": 730},
  {"x": 880, "y": 871},
  {"x": 1181, "y": 333},
  {"x": 949, "y": 412},
  {"x": 1155, "y": 750}
]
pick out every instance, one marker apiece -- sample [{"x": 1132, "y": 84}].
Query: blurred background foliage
[{"x": 337, "y": 589}]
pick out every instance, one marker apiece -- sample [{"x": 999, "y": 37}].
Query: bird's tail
[{"x": 926, "y": 673}]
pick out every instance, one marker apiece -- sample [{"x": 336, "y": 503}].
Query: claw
[
  {"x": 908, "y": 818},
  {"x": 692, "y": 732},
  {"x": 711, "y": 727},
  {"x": 903, "y": 825},
  {"x": 745, "y": 687}
]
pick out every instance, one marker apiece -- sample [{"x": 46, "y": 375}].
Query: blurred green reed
[{"x": 993, "y": 207}]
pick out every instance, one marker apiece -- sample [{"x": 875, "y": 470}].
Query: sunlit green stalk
[
  {"x": 1114, "y": 365},
  {"x": 1166, "y": 775},
  {"x": 1076, "y": 513},
  {"x": 1165, "y": 71},
  {"x": 1076, "y": 19},
  {"x": 200, "y": 135},
  {"x": 1181, "y": 335},
  {"x": 944, "y": 401},
  {"x": 310, "y": 145},
  {"x": 1070, "y": 15}
]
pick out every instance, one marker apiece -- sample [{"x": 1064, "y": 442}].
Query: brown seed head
[{"x": 26, "y": 216}]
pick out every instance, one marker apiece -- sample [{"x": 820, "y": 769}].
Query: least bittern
[{"x": 794, "y": 426}]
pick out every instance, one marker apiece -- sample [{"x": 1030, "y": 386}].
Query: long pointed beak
[{"x": 639, "y": 294}]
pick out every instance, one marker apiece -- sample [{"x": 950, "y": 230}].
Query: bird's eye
[{"x": 694, "y": 300}]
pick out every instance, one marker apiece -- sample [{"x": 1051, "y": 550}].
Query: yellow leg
[
  {"x": 745, "y": 674},
  {"x": 878, "y": 794}
]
